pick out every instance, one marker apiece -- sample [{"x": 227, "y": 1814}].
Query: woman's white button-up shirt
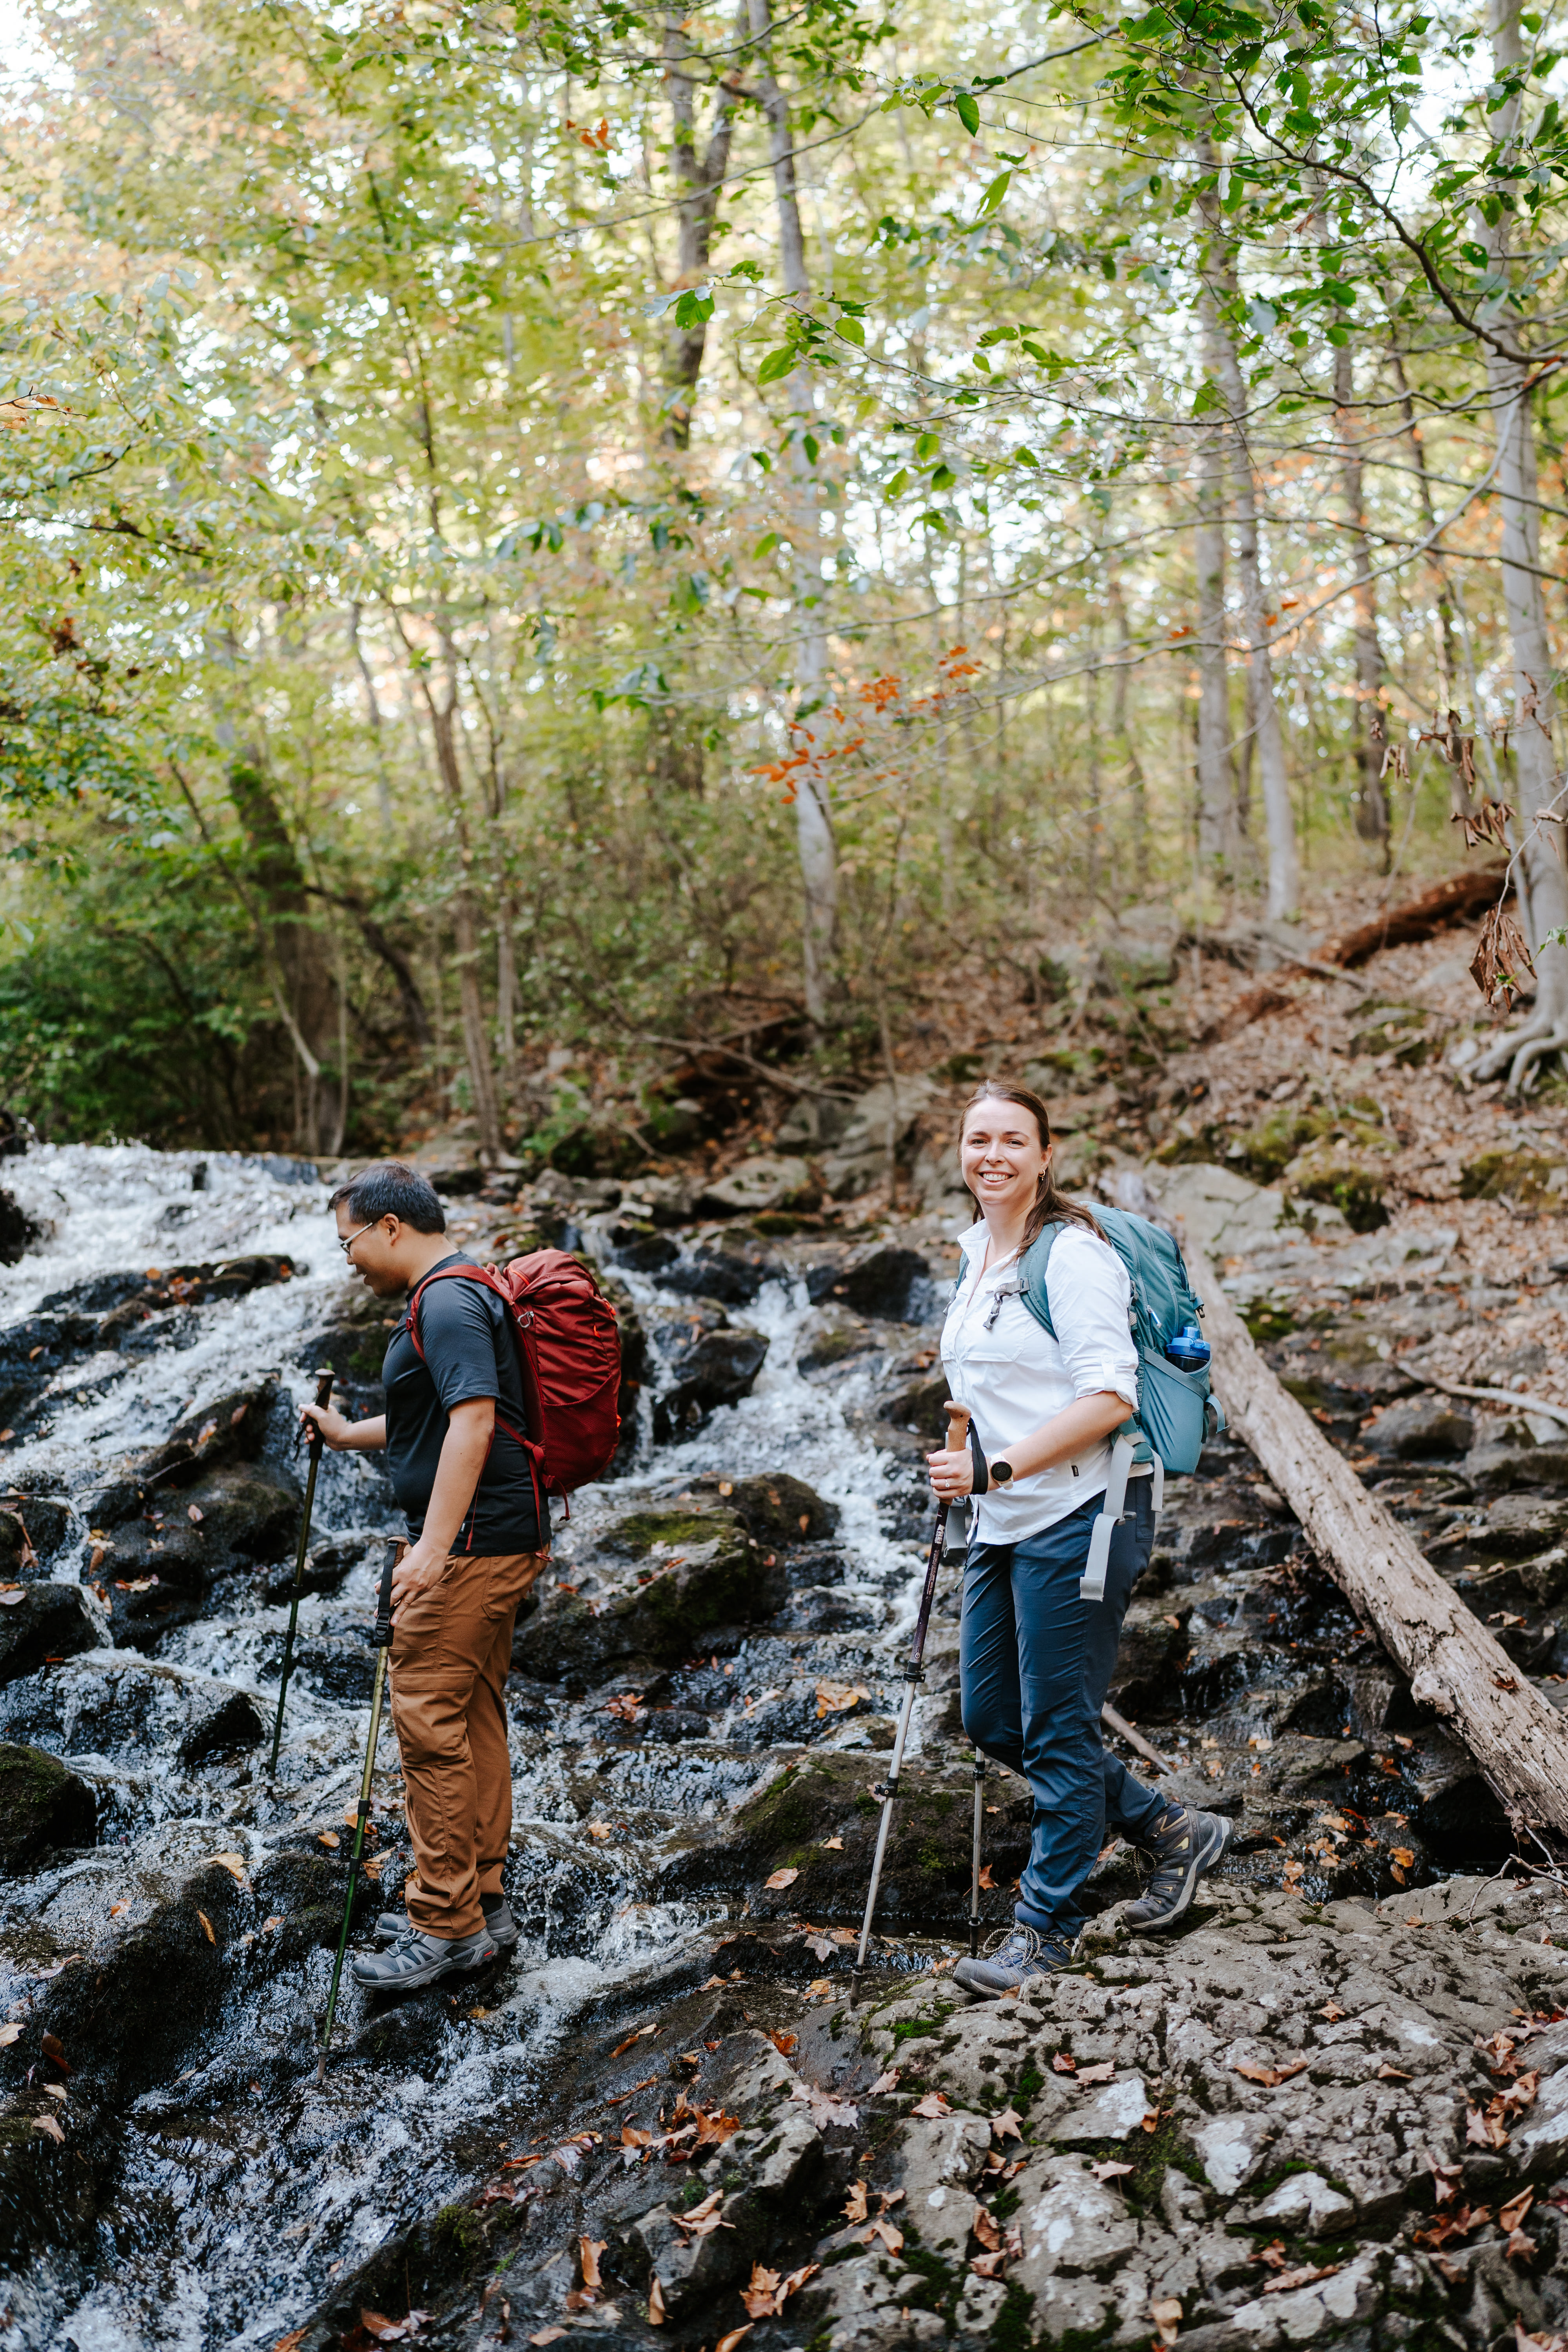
[{"x": 1013, "y": 1375}]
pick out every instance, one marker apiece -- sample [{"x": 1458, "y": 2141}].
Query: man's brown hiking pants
[{"x": 451, "y": 1647}]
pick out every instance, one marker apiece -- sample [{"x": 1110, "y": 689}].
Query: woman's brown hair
[{"x": 1052, "y": 1206}]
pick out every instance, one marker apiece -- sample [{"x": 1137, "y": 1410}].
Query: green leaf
[
  {"x": 995, "y": 194},
  {"x": 813, "y": 448},
  {"x": 693, "y": 309},
  {"x": 943, "y": 479},
  {"x": 766, "y": 544},
  {"x": 775, "y": 365},
  {"x": 898, "y": 484},
  {"x": 853, "y": 332},
  {"x": 968, "y": 113},
  {"x": 929, "y": 444}
]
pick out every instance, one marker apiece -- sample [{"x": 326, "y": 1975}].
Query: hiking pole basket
[
  {"x": 914, "y": 1675},
  {"x": 382, "y": 1637},
  {"x": 324, "y": 1397}
]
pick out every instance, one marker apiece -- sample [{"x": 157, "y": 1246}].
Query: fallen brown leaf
[
  {"x": 728, "y": 2343},
  {"x": 1519, "y": 2249},
  {"x": 1166, "y": 2315},
  {"x": 589, "y": 2250},
  {"x": 832, "y": 1846},
  {"x": 1110, "y": 2169},
  {"x": 600, "y": 1831},
  {"x": 1064, "y": 2063},
  {"x": 641, "y": 2034},
  {"x": 1271, "y": 2076},
  {"x": 1303, "y": 2277},
  {"x": 545, "y": 2336},
  {"x": 986, "y": 2228},
  {"x": 391, "y": 2331},
  {"x": 759, "y": 2293},
  {"x": 9, "y": 2033},
  {"x": 782, "y": 1878},
  {"x": 1445, "y": 2181},
  {"x": 1332, "y": 2012},
  {"x": 1510, "y": 2215},
  {"x": 891, "y": 2237},
  {"x": 932, "y": 2106},
  {"x": 1387, "y": 2073},
  {"x": 328, "y": 1837},
  {"x": 985, "y": 1878},
  {"x": 54, "y": 2048},
  {"x": 656, "y": 2310},
  {"x": 784, "y": 2042},
  {"x": 207, "y": 1926},
  {"x": 1104, "y": 2073},
  {"x": 233, "y": 1862},
  {"x": 292, "y": 2341},
  {"x": 884, "y": 2082},
  {"x": 47, "y": 2124},
  {"x": 855, "y": 2208},
  {"x": 1008, "y": 2124}
]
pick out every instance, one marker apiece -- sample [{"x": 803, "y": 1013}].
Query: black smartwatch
[{"x": 1000, "y": 1473}]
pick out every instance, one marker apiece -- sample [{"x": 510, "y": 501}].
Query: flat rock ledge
[{"x": 1289, "y": 2123}]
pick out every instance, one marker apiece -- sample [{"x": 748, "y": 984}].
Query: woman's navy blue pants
[{"x": 1035, "y": 1663}]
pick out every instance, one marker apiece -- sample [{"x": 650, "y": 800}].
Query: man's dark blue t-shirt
[{"x": 470, "y": 1352}]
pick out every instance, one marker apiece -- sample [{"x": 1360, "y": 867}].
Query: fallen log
[
  {"x": 1458, "y": 895},
  {"x": 1518, "y": 1739}
]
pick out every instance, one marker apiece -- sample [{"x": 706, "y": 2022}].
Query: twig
[
  {"x": 1498, "y": 1396},
  {"x": 1123, "y": 1730}
]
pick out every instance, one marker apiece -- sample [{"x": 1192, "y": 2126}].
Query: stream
[{"x": 729, "y": 1604}]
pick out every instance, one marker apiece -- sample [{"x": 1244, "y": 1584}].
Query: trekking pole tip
[{"x": 321, "y": 2069}]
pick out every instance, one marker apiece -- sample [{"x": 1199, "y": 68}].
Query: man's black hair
[{"x": 393, "y": 1189}]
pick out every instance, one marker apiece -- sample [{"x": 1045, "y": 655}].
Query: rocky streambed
[{"x": 1334, "y": 2107}]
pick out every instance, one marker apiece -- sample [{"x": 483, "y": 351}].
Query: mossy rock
[
  {"x": 1330, "y": 1173},
  {"x": 1267, "y": 1148},
  {"x": 926, "y": 1875},
  {"x": 776, "y": 1509},
  {"x": 42, "y": 1806},
  {"x": 637, "y": 1533},
  {"x": 662, "y": 1615},
  {"x": 1528, "y": 1178}
]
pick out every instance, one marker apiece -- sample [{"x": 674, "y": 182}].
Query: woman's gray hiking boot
[
  {"x": 418, "y": 1960},
  {"x": 502, "y": 1926},
  {"x": 1022, "y": 1953},
  {"x": 1186, "y": 1843}
]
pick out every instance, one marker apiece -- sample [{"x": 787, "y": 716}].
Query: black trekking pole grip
[
  {"x": 914, "y": 1675},
  {"x": 323, "y": 1398}
]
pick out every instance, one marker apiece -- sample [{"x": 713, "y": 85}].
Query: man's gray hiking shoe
[
  {"x": 1186, "y": 1843},
  {"x": 502, "y": 1926},
  {"x": 415, "y": 1959},
  {"x": 1023, "y": 1952}
]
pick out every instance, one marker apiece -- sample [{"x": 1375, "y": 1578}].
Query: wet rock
[
  {"x": 232, "y": 1428},
  {"x": 819, "y": 1821},
  {"x": 885, "y": 1281},
  {"x": 33, "y": 1528},
  {"x": 118, "y": 1704},
  {"x": 1412, "y": 1433},
  {"x": 657, "y": 1612},
  {"x": 42, "y": 1808},
  {"x": 1154, "y": 1646},
  {"x": 709, "y": 1364},
  {"x": 18, "y": 1231},
  {"x": 641, "y": 1245},
  {"x": 777, "y": 1509},
  {"x": 47, "y": 1621},
  {"x": 731, "y": 1269},
  {"x": 833, "y": 1339},
  {"x": 326, "y": 1565},
  {"x": 754, "y": 1187}
]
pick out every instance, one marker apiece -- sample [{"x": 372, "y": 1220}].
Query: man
[{"x": 468, "y": 1489}]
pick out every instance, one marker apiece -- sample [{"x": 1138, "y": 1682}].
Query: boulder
[
  {"x": 118, "y": 1704},
  {"x": 42, "y": 1808},
  {"x": 700, "y": 1572},
  {"x": 776, "y": 1509},
  {"x": 885, "y": 1114},
  {"x": 883, "y": 1281},
  {"x": 42, "y": 1621},
  {"x": 33, "y": 1528},
  {"x": 232, "y": 1428},
  {"x": 1504, "y": 1469},
  {"x": 833, "y": 1339},
  {"x": 759, "y": 1186},
  {"x": 18, "y": 1231},
  {"x": 1412, "y": 1433},
  {"x": 709, "y": 1365},
  {"x": 731, "y": 1269},
  {"x": 1519, "y": 1525}
]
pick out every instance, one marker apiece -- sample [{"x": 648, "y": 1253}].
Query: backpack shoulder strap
[
  {"x": 1035, "y": 1266},
  {"x": 479, "y": 1274}
]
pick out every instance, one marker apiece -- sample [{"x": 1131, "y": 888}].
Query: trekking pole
[
  {"x": 914, "y": 1675},
  {"x": 324, "y": 1397},
  {"x": 382, "y": 1637},
  {"x": 974, "y": 1873}
]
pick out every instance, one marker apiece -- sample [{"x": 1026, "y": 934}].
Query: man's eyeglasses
[{"x": 347, "y": 1241}]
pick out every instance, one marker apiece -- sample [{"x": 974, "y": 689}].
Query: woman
[{"x": 1035, "y": 1660}]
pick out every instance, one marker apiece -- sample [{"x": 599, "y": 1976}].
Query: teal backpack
[{"x": 1176, "y": 1410}]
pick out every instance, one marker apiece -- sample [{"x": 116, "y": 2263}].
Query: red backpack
[{"x": 569, "y": 1354}]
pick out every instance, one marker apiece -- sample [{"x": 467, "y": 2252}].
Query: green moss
[
  {"x": 1267, "y": 1148},
  {"x": 1151, "y": 2155},
  {"x": 456, "y": 2233},
  {"x": 944, "y": 2283},
  {"x": 1011, "y": 2330},
  {"x": 638, "y": 1532},
  {"x": 905, "y": 2029},
  {"x": 1524, "y": 1177},
  {"x": 1266, "y": 1321},
  {"x": 1030, "y": 2082}
]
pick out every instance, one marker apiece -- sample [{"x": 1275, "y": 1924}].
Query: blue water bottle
[{"x": 1189, "y": 1350}]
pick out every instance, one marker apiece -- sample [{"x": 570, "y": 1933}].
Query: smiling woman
[{"x": 1035, "y": 1657}]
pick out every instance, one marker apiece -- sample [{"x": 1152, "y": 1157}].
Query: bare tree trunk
[
  {"x": 1123, "y": 735},
  {"x": 701, "y": 181},
  {"x": 815, "y": 846},
  {"x": 1371, "y": 742},
  {"x": 1454, "y": 1664},
  {"x": 1216, "y": 788},
  {"x": 1508, "y": 377},
  {"x": 1279, "y": 822}
]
